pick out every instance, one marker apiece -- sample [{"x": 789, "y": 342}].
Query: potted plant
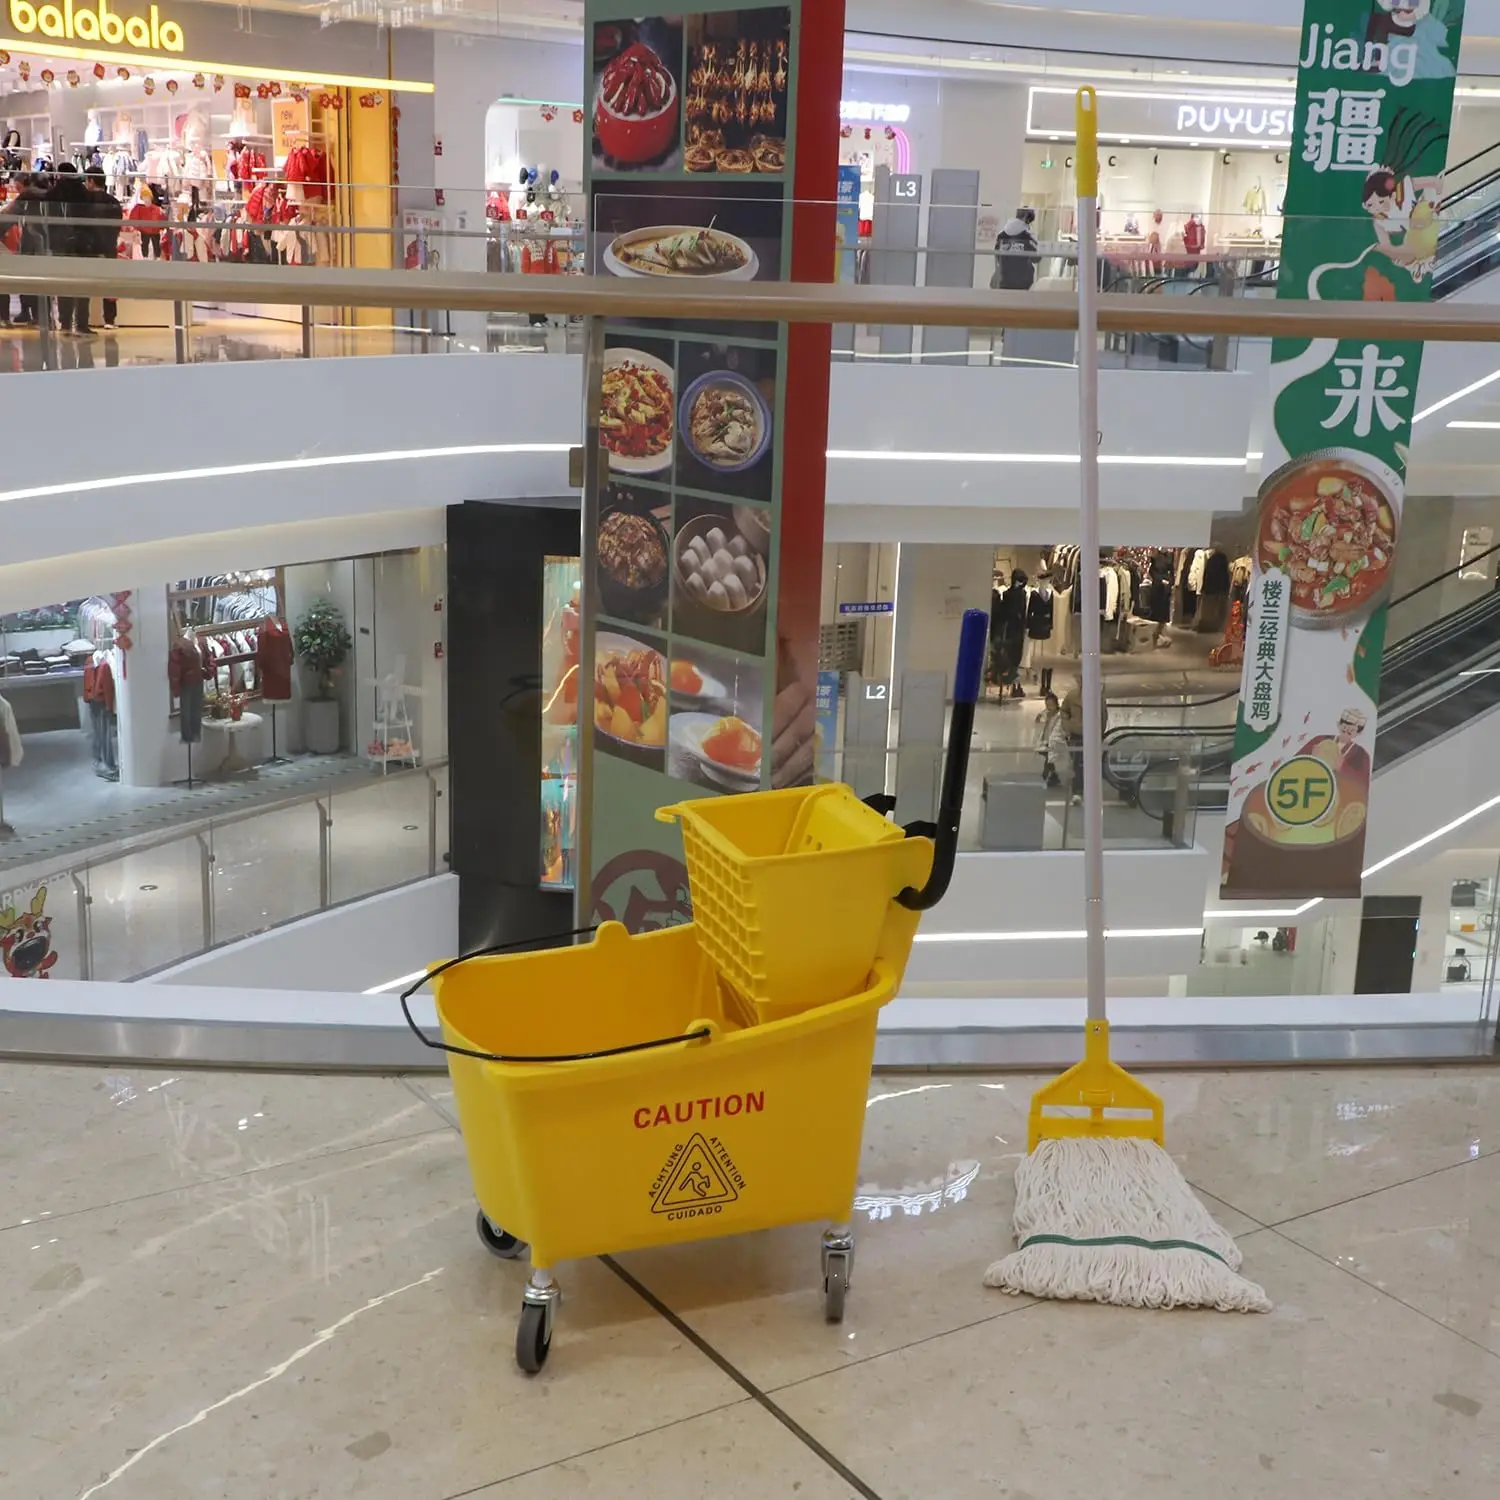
[{"x": 323, "y": 643}]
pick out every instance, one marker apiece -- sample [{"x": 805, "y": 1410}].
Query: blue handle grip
[{"x": 972, "y": 639}]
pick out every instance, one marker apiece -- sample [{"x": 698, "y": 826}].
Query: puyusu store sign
[
  {"x": 1161, "y": 118},
  {"x": 1374, "y": 100},
  {"x": 98, "y": 23}
]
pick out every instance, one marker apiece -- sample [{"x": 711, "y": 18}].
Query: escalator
[
  {"x": 1433, "y": 682},
  {"x": 1469, "y": 244}
]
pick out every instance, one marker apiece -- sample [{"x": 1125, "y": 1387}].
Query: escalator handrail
[
  {"x": 1422, "y": 588},
  {"x": 1233, "y": 692},
  {"x": 1468, "y": 161},
  {"x": 1489, "y": 179}
]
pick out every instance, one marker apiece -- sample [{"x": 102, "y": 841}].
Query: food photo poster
[{"x": 689, "y": 181}]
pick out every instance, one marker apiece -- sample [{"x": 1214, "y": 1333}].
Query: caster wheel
[
  {"x": 835, "y": 1285},
  {"x": 497, "y": 1241},
  {"x": 533, "y": 1338}
]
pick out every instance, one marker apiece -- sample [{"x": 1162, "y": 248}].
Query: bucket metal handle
[
  {"x": 972, "y": 636},
  {"x": 698, "y": 1034}
]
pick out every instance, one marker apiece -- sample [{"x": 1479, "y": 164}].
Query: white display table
[{"x": 234, "y": 763}]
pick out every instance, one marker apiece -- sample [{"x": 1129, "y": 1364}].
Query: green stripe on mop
[{"x": 1121, "y": 1239}]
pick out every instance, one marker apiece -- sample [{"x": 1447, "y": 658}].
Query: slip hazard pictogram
[{"x": 698, "y": 1178}]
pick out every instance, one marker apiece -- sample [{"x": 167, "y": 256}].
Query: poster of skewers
[{"x": 735, "y": 108}]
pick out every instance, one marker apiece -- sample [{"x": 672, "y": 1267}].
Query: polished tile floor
[{"x": 261, "y": 1287}]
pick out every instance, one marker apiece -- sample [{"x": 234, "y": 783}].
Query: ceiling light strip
[{"x": 1123, "y": 460}]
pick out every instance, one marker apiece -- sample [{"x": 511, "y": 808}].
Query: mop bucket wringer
[{"x": 705, "y": 1079}]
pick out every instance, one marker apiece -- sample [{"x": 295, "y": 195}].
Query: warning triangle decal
[{"x": 697, "y": 1180}]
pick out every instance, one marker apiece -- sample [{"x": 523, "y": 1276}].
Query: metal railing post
[
  {"x": 432, "y": 825},
  {"x": 46, "y": 342},
  {"x": 180, "y": 332},
  {"x": 85, "y": 927},
  {"x": 307, "y": 332},
  {"x": 206, "y": 875},
  {"x": 325, "y": 855}
]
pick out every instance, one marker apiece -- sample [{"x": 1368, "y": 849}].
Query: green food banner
[{"x": 1374, "y": 99}]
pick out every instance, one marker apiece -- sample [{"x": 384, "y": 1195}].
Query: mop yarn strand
[{"x": 1114, "y": 1221}]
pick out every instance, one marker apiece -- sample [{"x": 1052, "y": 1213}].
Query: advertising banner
[
  {"x": 1374, "y": 100},
  {"x": 848, "y": 222},
  {"x": 699, "y": 663}
]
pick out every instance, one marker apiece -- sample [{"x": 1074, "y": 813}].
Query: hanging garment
[
  {"x": 1216, "y": 574},
  {"x": 1109, "y": 592},
  {"x": 273, "y": 661},
  {"x": 1195, "y": 570},
  {"x": 307, "y": 171},
  {"x": 11, "y": 753},
  {"x": 1039, "y": 615}
]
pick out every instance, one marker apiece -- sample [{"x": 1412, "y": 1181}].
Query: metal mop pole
[{"x": 1086, "y": 110}]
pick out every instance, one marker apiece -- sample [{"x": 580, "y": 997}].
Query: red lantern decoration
[
  {"x": 122, "y": 74},
  {"x": 367, "y": 101},
  {"x": 99, "y": 71},
  {"x": 549, "y": 113},
  {"x": 242, "y": 91},
  {"x": 276, "y": 91},
  {"x": 4, "y": 59},
  {"x": 48, "y": 77},
  {"x": 846, "y": 131},
  {"x": 890, "y": 132},
  {"x": 171, "y": 85},
  {"x": 219, "y": 84},
  {"x": 24, "y": 69},
  {"x": 73, "y": 79},
  {"x": 197, "y": 80},
  {"x": 149, "y": 85},
  {"x": 335, "y": 101},
  {"x": 263, "y": 91},
  {"x": 578, "y": 117}
]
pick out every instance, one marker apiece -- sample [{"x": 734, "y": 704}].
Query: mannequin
[
  {"x": 185, "y": 672},
  {"x": 274, "y": 655}
]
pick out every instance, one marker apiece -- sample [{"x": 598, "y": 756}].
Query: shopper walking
[
  {"x": 104, "y": 233},
  {"x": 70, "y": 233}
]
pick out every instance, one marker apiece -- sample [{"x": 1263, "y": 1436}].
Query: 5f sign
[{"x": 67, "y": 22}]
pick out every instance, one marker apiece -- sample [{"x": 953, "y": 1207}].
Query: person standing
[
  {"x": 25, "y": 213},
  {"x": 1016, "y": 254},
  {"x": 104, "y": 234},
  {"x": 69, "y": 233}
]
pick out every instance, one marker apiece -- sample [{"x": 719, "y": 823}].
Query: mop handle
[
  {"x": 1087, "y": 129},
  {"x": 972, "y": 635}
]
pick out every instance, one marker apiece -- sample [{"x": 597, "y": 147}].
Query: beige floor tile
[
  {"x": 324, "y": 1330},
  {"x": 1338, "y": 1392},
  {"x": 933, "y": 1211},
  {"x": 74, "y": 1138},
  {"x": 1278, "y": 1144},
  {"x": 741, "y": 1453},
  {"x": 1434, "y": 1243}
]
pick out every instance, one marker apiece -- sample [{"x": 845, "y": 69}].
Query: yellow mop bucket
[
  {"x": 794, "y": 893},
  {"x": 627, "y": 1112}
]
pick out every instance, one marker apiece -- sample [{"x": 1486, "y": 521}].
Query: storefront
[
  {"x": 272, "y": 145},
  {"x": 133, "y": 699},
  {"x": 1183, "y": 177}
]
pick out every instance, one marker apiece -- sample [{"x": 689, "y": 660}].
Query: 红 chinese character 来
[{"x": 1366, "y": 388}]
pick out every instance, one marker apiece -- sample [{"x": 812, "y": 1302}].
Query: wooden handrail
[{"x": 767, "y": 301}]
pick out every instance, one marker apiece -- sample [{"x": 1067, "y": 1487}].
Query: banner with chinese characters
[
  {"x": 713, "y": 153},
  {"x": 1374, "y": 100}
]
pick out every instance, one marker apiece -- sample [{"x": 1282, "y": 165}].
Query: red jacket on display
[
  {"x": 308, "y": 165},
  {"x": 185, "y": 665},
  {"x": 273, "y": 661}
]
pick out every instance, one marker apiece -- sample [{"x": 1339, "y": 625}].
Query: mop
[{"x": 1102, "y": 1213}]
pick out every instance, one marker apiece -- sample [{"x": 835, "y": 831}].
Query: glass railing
[{"x": 129, "y": 912}]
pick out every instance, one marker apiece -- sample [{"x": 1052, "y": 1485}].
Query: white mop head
[{"x": 1164, "y": 1249}]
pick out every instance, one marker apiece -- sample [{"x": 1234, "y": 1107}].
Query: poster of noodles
[{"x": 1374, "y": 102}]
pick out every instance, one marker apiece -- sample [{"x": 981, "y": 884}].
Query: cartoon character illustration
[
  {"x": 1342, "y": 753},
  {"x": 1402, "y": 206},
  {"x": 1396, "y": 21},
  {"x": 26, "y": 940}
]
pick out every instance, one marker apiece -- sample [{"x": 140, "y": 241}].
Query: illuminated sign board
[
  {"x": 68, "y": 23},
  {"x": 874, "y": 114},
  {"x": 1127, "y": 116}
]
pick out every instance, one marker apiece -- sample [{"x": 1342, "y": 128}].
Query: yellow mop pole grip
[{"x": 1086, "y": 127}]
